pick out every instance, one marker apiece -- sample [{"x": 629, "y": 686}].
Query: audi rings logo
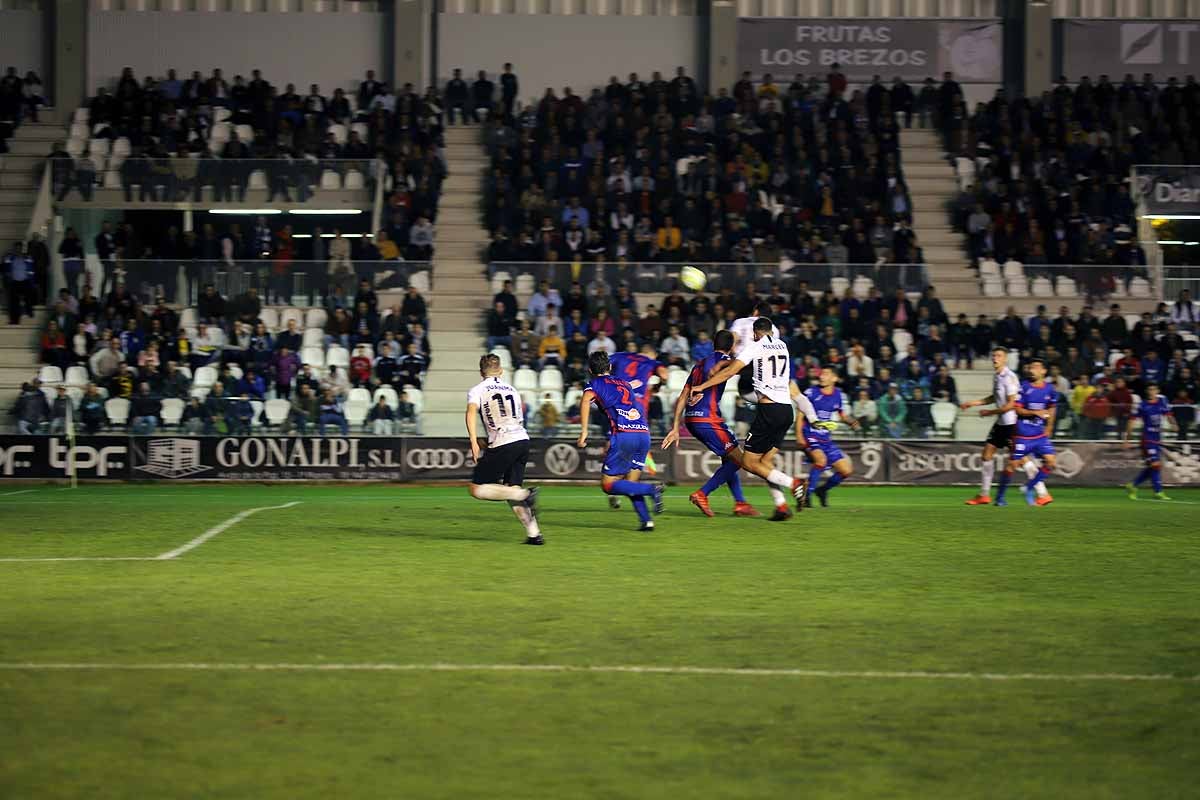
[
  {"x": 562, "y": 459},
  {"x": 435, "y": 459}
]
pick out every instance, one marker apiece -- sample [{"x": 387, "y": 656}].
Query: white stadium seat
[
  {"x": 988, "y": 267},
  {"x": 1139, "y": 288},
  {"x": 330, "y": 180},
  {"x": 270, "y": 318},
  {"x": 313, "y": 355},
  {"x": 356, "y": 412},
  {"x": 355, "y": 180},
  {"x": 277, "y": 411},
  {"x": 337, "y": 357},
  {"x": 944, "y": 415},
  {"x": 313, "y": 337},
  {"x": 117, "y": 410},
  {"x": 1017, "y": 287},
  {"x": 993, "y": 287},
  {"x": 1042, "y": 287},
  {"x": 359, "y": 395},
  {"x": 525, "y": 379},
  {"x": 389, "y": 396},
  {"x": 550, "y": 379},
  {"x": 50, "y": 374},
  {"x": 315, "y": 318},
  {"x": 205, "y": 377},
  {"x": 172, "y": 411},
  {"x": 290, "y": 314},
  {"x": 1065, "y": 287},
  {"x": 77, "y": 376}
]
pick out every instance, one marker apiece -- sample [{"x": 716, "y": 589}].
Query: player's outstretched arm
[
  {"x": 680, "y": 404},
  {"x": 472, "y": 421},
  {"x": 585, "y": 413},
  {"x": 975, "y": 403},
  {"x": 720, "y": 375}
]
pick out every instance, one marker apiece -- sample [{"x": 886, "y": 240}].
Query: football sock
[
  {"x": 719, "y": 478},
  {"x": 777, "y": 497},
  {"x": 1142, "y": 476},
  {"x": 735, "y": 484},
  {"x": 989, "y": 471},
  {"x": 832, "y": 481},
  {"x": 631, "y": 488},
  {"x": 1031, "y": 471},
  {"x": 1156, "y": 479},
  {"x": 780, "y": 479},
  {"x": 1033, "y": 482},
  {"x": 814, "y": 476},
  {"x": 495, "y": 491},
  {"x": 643, "y": 511},
  {"x": 1003, "y": 485},
  {"x": 531, "y": 525}
]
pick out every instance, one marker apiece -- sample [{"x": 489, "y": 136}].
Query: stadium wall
[
  {"x": 331, "y": 50},
  {"x": 21, "y": 41},
  {"x": 397, "y": 459},
  {"x": 580, "y": 51}
]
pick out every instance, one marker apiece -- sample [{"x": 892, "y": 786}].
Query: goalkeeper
[{"x": 816, "y": 441}]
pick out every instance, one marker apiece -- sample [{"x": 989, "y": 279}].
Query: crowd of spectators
[
  {"x": 656, "y": 171},
  {"x": 351, "y": 351},
  {"x": 1047, "y": 179},
  {"x": 178, "y": 136}
]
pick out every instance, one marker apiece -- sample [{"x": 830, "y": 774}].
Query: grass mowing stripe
[
  {"x": 611, "y": 669},
  {"x": 22, "y": 491}
]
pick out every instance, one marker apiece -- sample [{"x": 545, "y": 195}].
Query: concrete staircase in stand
[
  {"x": 20, "y": 177},
  {"x": 18, "y": 361},
  {"x": 461, "y": 294},
  {"x": 933, "y": 186}
]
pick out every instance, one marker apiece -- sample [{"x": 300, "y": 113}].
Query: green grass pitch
[{"x": 832, "y": 606}]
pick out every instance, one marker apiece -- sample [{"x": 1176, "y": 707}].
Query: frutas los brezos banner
[
  {"x": 913, "y": 49},
  {"x": 1113, "y": 47}
]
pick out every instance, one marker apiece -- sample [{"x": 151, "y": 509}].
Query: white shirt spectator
[
  {"x": 602, "y": 342},
  {"x": 675, "y": 347},
  {"x": 386, "y": 101},
  {"x": 1185, "y": 315},
  {"x": 421, "y": 234},
  {"x": 857, "y": 365},
  {"x": 620, "y": 182}
]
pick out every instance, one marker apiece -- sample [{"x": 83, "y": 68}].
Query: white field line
[
  {"x": 769, "y": 672},
  {"x": 22, "y": 491},
  {"x": 218, "y": 529},
  {"x": 170, "y": 554}
]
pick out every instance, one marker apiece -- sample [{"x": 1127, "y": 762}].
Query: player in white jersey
[
  {"x": 771, "y": 376},
  {"x": 742, "y": 329},
  {"x": 1006, "y": 386},
  {"x": 500, "y": 470}
]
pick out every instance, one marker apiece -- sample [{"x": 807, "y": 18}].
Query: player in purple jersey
[
  {"x": 704, "y": 421},
  {"x": 1152, "y": 412},
  {"x": 831, "y": 405},
  {"x": 1036, "y": 404},
  {"x": 637, "y": 368},
  {"x": 629, "y": 437}
]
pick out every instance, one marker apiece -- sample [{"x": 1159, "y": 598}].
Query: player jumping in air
[
  {"x": 770, "y": 375},
  {"x": 637, "y": 369},
  {"x": 705, "y": 423},
  {"x": 629, "y": 438},
  {"x": 1005, "y": 388},
  {"x": 817, "y": 443},
  {"x": 1151, "y": 411},
  {"x": 500, "y": 471},
  {"x": 1036, "y": 404}
]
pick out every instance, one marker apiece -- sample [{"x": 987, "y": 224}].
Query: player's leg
[
  {"x": 818, "y": 463},
  {"x": 1016, "y": 459},
  {"x": 987, "y": 470},
  {"x": 842, "y": 469},
  {"x": 767, "y": 432},
  {"x": 494, "y": 464},
  {"x": 1045, "y": 451},
  {"x": 622, "y": 468},
  {"x": 525, "y": 511}
]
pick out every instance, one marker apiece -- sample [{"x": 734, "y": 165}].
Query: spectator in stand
[
  {"x": 420, "y": 239},
  {"x": 31, "y": 409},
  {"x": 865, "y": 411},
  {"x": 893, "y": 412},
  {"x": 920, "y": 416},
  {"x": 381, "y": 418},
  {"x": 674, "y": 349},
  {"x": 196, "y": 419},
  {"x": 145, "y": 411},
  {"x": 413, "y": 308},
  {"x": 105, "y": 362},
  {"x": 284, "y": 367},
  {"x": 331, "y": 414},
  {"x": 20, "y": 282},
  {"x": 360, "y": 367},
  {"x": 91, "y": 410},
  {"x": 601, "y": 341},
  {"x": 547, "y": 417},
  {"x": 304, "y": 410},
  {"x": 412, "y": 366},
  {"x": 552, "y": 350}
]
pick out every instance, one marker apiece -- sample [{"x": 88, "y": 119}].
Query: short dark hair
[
  {"x": 1000, "y": 349},
  {"x": 598, "y": 363},
  {"x": 762, "y": 309},
  {"x": 723, "y": 340},
  {"x": 1033, "y": 361},
  {"x": 763, "y": 325}
]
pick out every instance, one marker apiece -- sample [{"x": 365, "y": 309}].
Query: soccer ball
[{"x": 693, "y": 278}]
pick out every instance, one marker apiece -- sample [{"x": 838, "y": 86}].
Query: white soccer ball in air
[{"x": 693, "y": 278}]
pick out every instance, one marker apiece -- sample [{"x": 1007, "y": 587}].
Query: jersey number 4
[{"x": 511, "y": 411}]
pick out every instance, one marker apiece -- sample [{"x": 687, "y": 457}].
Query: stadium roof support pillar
[
  {"x": 1039, "y": 48},
  {"x": 412, "y": 43},
  {"x": 722, "y": 43},
  {"x": 66, "y": 30}
]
